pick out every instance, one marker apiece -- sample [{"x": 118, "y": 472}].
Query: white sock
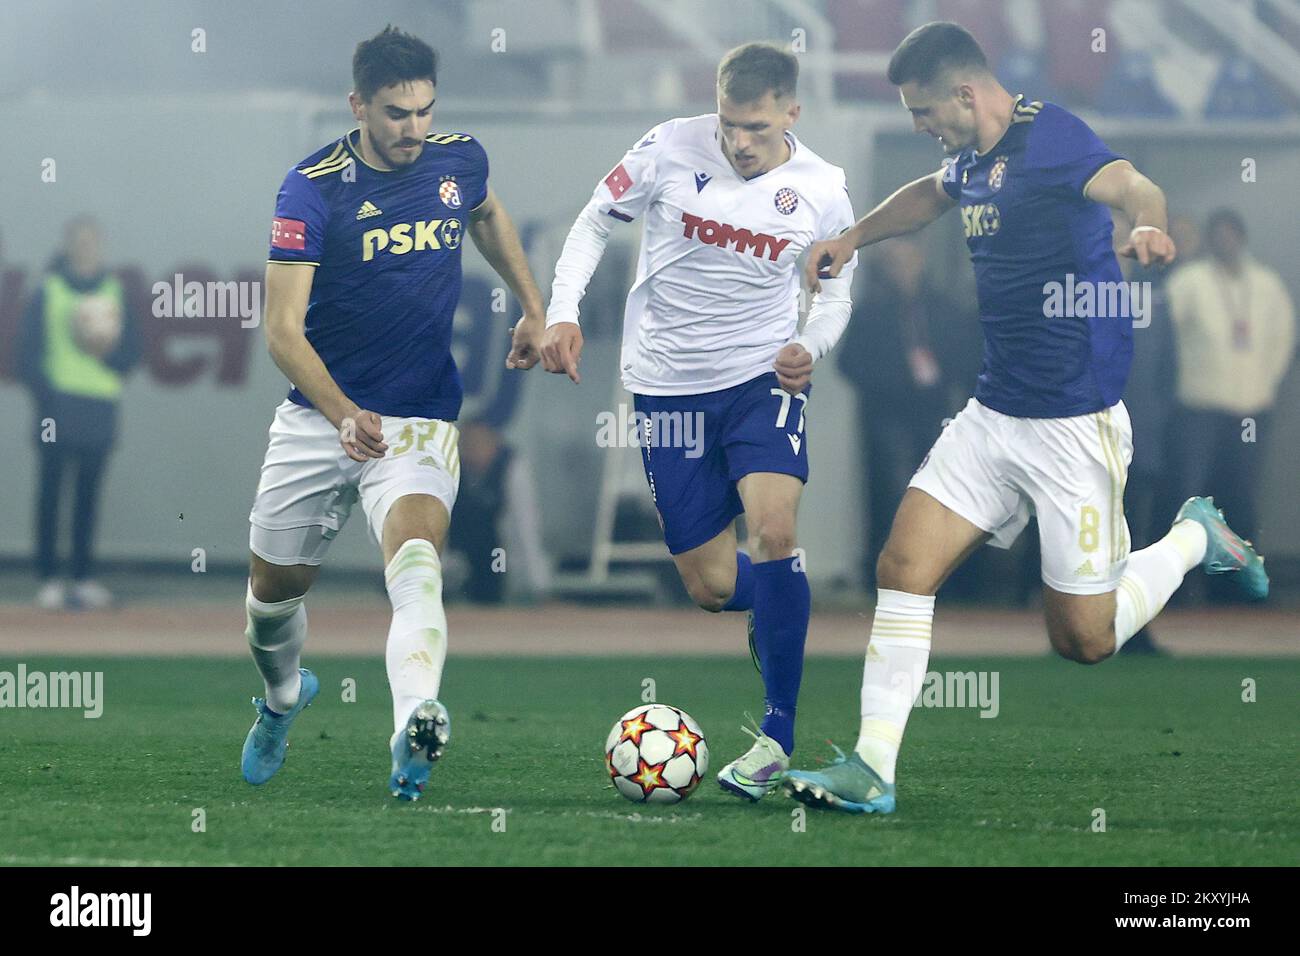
[
  {"x": 897, "y": 655},
  {"x": 417, "y": 638},
  {"x": 1153, "y": 575},
  {"x": 276, "y": 633}
]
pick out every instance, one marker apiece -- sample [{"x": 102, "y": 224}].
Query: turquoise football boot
[
  {"x": 1225, "y": 550},
  {"x": 848, "y": 785},
  {"x": 417, "y": 747},
  {"x": 268, "y": 740}
]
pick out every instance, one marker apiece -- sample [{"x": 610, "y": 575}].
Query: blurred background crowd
[{"x": 155, "y": 152}]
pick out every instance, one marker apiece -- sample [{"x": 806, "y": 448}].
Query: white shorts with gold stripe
[
  {"x": 309, "y": 484},
  {"x": 997, "y": 471}
]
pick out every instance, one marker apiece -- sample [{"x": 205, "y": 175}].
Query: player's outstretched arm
[
  {"x": 288, "y": 289},
  {"x": 583, "y": 248},
  {"x": 494, "y": 234},
  {"x": 1120, "y": 186},
  {"x": 916, "y": 205}
]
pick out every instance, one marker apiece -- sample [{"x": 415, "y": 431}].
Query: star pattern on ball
[
  {"x": 685, "y": 741},
  {"x": 633, "y": 728},
  {"x": 649, "y": 777}
]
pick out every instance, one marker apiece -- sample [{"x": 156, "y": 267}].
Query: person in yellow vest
[{"x": 76, "y": 343}]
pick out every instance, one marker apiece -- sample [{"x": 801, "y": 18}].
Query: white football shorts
[
  {"x": 309, "y": 484},
  {"x": 996, "y": 471}
]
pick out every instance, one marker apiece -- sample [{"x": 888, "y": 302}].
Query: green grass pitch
[{"x": 1186, "y": 772}]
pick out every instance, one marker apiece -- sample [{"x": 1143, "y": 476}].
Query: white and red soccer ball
[
  {"x": 656, "y": 754},
  {"x": 97, "y": 324}
]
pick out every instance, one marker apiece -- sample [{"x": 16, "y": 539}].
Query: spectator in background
[
  {"x": 1235, "y": 328},
  {"x": 912, "y": 356},
  {"x": 497, "y": 529},
  {"x": 76, "y": 343},
  {"x": 1186, "y": 234}
]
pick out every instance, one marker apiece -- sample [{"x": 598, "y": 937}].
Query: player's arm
[
  {"x": 495, "y": 236},
  {"x": 913, "y": 207},
  {"x": 621, "y": 196},
  {"x": 583, "y": 248},
  {"x": 1120, "y": 186},
  {"x": 288, "y": 289},
  {"x": 828, "y": 316}
]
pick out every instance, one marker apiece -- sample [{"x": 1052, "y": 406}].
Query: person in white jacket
[{"x": 1234, "y": 324}]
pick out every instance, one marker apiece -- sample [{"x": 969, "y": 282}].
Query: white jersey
[{"x": 717, "y": 285}]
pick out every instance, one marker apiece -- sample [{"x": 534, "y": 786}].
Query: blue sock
[
  {"x": 742, "y": 598},
  {"x": 782, "y": 604}
]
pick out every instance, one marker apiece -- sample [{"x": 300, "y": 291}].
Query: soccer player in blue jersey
[
  {"x": 1046, "y": 433},
  {"x": 362, "y": 283}
]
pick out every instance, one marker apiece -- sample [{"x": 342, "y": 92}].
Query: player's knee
[
  {"x": 1083, "y": 645},
  {"x": 273, "y": 583},
  {"x": 896, "y": 570},
  {"x": 772, "y": 533},
  {"x": 710, "y": 592}
]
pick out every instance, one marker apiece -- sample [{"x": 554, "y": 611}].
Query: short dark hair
[
  {"x": 1226, "y": 217},
  {"x": 932, "y": 49},
  {"x": 391, "y": 57},
  {"x": 749, "y": 71}
]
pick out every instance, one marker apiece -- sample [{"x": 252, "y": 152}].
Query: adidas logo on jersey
[
  {"x": 1084, "y": 569},
  {"x": 427, "y": 460},
  {"x": 368, "y": 209}
]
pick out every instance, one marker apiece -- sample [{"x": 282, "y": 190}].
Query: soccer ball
[
  {"x": 97, "y": 324},
  {"x": 656, "y": 754}
]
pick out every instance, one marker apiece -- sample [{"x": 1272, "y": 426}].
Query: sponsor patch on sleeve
[
  {"x": 288, "y": 233},
  {"x": 618, "y": 181}
]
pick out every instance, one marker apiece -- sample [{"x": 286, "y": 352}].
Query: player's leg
[
  {"x": 408, "y": 496},
  {"x": 415, "y": 531},
  {"x": 762, "y": 430},
  {"x": 956, "y": 501},
  {"x": 716, "y": 575},
  {"x": 782, "y": 603},
  {"x": 303, "y": 499},
  {"x": 1096, "y": 594},
  {"x": 275, "y": 618},
  {"x": 276, "y": 625},
  {"x": 697, "y": 503},
  {"x": 779, "y": 631}
]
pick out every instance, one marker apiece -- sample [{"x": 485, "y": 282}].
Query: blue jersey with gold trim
[
  {"x": 1031, "y": 231},
  {"x": 386, "y": 246}
]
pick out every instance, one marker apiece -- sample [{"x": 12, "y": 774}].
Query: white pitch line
[{"x": 10, "y": 860}]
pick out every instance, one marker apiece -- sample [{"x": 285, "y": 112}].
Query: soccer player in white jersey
[
  {"x": 1046, "y": 432},
  {"x": 729, "y": 201},
  {"x": 362, "y": 284}
]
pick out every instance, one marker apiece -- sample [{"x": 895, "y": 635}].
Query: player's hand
[
  {"x": 562, "y": 350},
  {"x": 825, "y": 260},
  {"x": 526, "y": 342},
  {"x": 361, "y": 434},
  {"x": 1149, "y": 245},
  {"x": 794, "y": 365}
]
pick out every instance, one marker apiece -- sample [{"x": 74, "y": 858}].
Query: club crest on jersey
[
  {"x": 449, "y": 192},
  {"x": 720, "y": 234},
  {"x": 786, "y": 200},
  {"x": 998, "y": 174}
]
